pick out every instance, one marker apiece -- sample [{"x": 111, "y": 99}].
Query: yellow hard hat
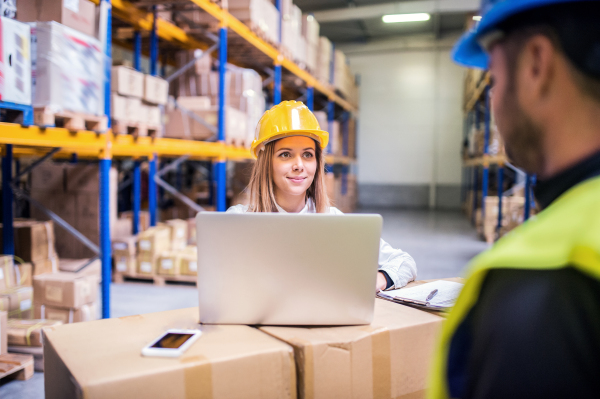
[{"x": 286, "y": 119}]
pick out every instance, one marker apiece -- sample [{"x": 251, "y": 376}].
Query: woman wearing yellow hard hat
[{"x": 289, "y": 177}]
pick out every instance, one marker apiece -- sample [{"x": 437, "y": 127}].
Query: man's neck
[
  {"x": 291, "y": 203},
  {"x": 572, "y": 138}
]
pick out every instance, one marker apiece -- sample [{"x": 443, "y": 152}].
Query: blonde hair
[{"x": 262, "y": 188}]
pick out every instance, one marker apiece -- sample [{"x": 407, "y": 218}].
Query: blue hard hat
[{"x": 469, "y": 52}]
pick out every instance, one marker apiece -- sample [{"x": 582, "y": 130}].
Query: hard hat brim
[
  {"x": 468, "y": 52},
  {"x": 320, "y": 136}
]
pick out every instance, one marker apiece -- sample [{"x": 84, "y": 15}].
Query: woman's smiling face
[{"x": 294, "y": 165}]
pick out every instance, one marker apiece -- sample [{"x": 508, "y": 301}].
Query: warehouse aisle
[{"x": 441, "y": 242}]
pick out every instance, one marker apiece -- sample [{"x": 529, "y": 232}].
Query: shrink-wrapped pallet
[{"x": 67, "y": 69}]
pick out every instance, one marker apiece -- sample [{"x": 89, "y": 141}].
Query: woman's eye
[
  {"x": 285, "y": 155},
  {"x": 308, "y": 155}
]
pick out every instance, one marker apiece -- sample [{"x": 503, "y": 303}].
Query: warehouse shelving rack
[
  {"x": 26, "y": 140},
  {"x": 480, "y": 100}
]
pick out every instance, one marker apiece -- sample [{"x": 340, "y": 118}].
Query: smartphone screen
[{"x": 172, "y": 340}]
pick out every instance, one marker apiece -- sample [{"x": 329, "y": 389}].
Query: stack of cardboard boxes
[
  {"x": 260, "y": 15},
  {"x": 343, "y": 78},
  {"x": 512, "y": 216},
  {"x": 135, "y": 101},
  {"x": 293, "y": 42},
  {"x": 390, "y": 358},
  {"x": 73, "y": 192},
  {"x": 310, "y": 31},
  {"x": 66, "y": 296},
  {"x": 197, "y": 92},
  {"x": 342, "y": 191},
  {"x": 324, "y": 54},
  {"x": 15, "y": 299},
  {"x": 165, "y": 250}
]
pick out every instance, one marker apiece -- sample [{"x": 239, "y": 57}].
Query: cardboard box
[
  {"x": 194, "y": 103},
  {"x": 76, "y": 14},
  {"x": 189, "y": 261},
  {"x": 154, "y": 241},
  {"x": 179, "y": 233},
  {"x": 7, "y": 272},
  {"x": 151, "y": 115},
  {"x": 118, "y": 107},
  {"x": 144, "y": 219},
  {"x": 49, "y": 265},
  {"x": 121, "y": 228},
  {"x": 388, "y": 359},
  {"x": 169, "y": 263},
  {"x": 3, "y": 332},
  {"x": 17, "y": 302},
  {"x": 124, "y": 246},
  {"x": 146, "y": 264},
  {"x": 82, "y": 267},
  {"x": 24, "y": 274},
  {"x": 125, "y": 264},
  {"x": 28, "y": 332},
  {"x": 65, "y": 290},
  {"x": 87, "y": 312},
  {"x": 156, "y": 90},
  {"x": 310, "y": 28},
  {"x": 34, "y": 240},
  {"x": 127, "y": 82},
  {"x": 15, "y": 64},
  {"x": 225, "y": 362}
]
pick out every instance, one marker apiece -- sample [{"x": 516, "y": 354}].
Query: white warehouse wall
[{"x": 410, "y": 125}]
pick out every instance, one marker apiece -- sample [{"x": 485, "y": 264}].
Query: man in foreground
[{"x": 527, "y": 323}]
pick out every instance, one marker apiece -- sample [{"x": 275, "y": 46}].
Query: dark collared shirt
[{"x": 532, "y": 334}]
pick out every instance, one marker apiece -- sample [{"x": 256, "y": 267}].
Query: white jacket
[{"x": 399, "y": 265}]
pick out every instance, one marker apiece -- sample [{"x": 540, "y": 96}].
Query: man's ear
[{"x": 535, "y": 71}]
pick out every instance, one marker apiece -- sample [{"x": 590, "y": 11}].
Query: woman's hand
[{"x": 381, "y": 282}]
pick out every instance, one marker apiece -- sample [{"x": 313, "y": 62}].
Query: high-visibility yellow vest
[{"x": 567, "y": 233}]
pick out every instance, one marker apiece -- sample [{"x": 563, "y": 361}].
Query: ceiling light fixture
[{"x": 393, "y": 18}]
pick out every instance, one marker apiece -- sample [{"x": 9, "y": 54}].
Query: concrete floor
[{"x": 441, "y": 243}]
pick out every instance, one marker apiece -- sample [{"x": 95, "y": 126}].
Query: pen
[{"x": 431, "y": 295}]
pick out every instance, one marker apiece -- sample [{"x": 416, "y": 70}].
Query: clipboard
[{"x": 448, "y": 293}]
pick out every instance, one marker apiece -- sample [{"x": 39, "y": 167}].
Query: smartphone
[{"x": 172, "y": 343}]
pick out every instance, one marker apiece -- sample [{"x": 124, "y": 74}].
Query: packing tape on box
[
  {"x": 28, "y": 329},
  {"x": 198, "y": 377},
  {"x": 381, "y": 360}
]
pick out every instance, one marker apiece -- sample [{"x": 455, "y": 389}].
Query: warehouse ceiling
[{"x": 347, "y": 21}]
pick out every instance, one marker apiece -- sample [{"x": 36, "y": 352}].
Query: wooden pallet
[
  {"x": 156, "y": 279},
  {"x": 73, "y": 121},
  {"x": 135, "y": 129},
  {"x": 13, "y": 366},
  {"x": 36, "y": 351}
]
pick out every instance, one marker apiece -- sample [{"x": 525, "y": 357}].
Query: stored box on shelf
[
  {"x": 156, "y": 90},
  {"x": 15, "y": 61},
  {"x": 76, "y": 14},
  {"x": 69, "y": 69},
  {"x": 17, "y": 301},
  {"x": 65, "y": 290},
  {"x": 127, "y": 82}
]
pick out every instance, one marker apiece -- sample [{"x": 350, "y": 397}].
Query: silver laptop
[{"x": 285, "y": 269}]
